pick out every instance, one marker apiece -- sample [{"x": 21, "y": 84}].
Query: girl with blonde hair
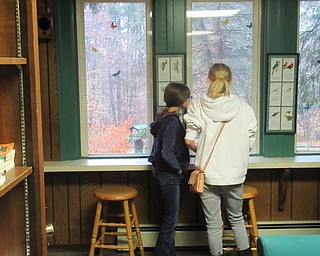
[{"x": 227, "y": 167}]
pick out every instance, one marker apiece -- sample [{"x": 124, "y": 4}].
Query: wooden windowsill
[
  {"x": 14, "y": 177},
  {"x": 142, "y": 164}
]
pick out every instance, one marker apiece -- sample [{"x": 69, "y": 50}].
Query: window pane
[
  {"x": 308, "y": 104},
  {"x": 222, "y": 32},
  {"x": 228, "y": 32},
  {"x": 116, "y": 77}
]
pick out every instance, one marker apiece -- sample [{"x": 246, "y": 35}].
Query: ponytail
[
  {"x": 219, "y": 88},
  {"x": 220, "y": 77}
]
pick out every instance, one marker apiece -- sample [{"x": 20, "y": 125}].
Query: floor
[
  {"x": 148, "y": 252},
  {"x": 199, "y": 251}
]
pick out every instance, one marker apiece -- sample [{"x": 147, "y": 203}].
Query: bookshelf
[
  {"x": 22, "y": 197},
  {"x": 13, "y": 178},
  {"x": 12, "y": 61}
]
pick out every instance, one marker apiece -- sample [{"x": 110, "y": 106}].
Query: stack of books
[
  {"x": 7, "y": 152},
  {"x": 2, "y": 171}
]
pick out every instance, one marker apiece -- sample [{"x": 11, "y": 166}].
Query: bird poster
[
  {"x": 274, "y": 118},
  {"x": 286, "y": 118},
  {"x": 176, "y": 69},
  {"x": 276, "y": 70},
  {"x": 161, "y": 88},
  {"x": 288, "y": 69},
  {"x": 275, "y": 94},
  {"x": 164, "y": 69},
  {"x": 282, "y": 90},
  {"x": 287, "y": 94},
  {"x": 170, "y": 68}
]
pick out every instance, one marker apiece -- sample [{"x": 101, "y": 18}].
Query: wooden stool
[
  {"x": 249, "y": 215},
  {"x": 129, "y": 217}
]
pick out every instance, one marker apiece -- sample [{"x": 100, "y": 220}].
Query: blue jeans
[{"x": 169, "y": 184}]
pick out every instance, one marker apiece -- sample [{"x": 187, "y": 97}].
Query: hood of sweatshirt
[
  {"x": 159, "y": 119},
  {"x": 222, "y": 109}
]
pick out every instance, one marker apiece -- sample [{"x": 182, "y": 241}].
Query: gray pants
[{"x": 211, "y": 205}]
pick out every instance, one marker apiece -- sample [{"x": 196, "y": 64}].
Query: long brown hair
[{"x": 220, "y": 78}]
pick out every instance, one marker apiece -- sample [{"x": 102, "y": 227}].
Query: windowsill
[{"x": 142, "y": 164}]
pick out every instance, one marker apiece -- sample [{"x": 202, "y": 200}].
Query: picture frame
[
  {"x": 169, "y": 68},
  {"x": 282, "y": 93}
]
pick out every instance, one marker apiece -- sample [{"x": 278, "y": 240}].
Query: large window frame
[
  {"x": 82, "y": 76},
  {"x": 255, "y": 58}
]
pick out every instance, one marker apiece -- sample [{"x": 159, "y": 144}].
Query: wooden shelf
[
  {"x": 12, "y": 61},
  {"x": 14, "y": 177}
]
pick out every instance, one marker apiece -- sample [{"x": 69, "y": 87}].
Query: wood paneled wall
[
  {"x": 69, "y": 196},
  {"x": 71, "y": 205},
  {"x": 49, "y": 88}
]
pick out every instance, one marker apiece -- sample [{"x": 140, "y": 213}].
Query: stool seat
[
  {"x": 249, "y": 192},
  {"x": 115, "y": 193},
  {"x": 119, "y": 224}
]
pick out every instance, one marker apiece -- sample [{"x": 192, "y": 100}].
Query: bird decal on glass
[
  {"x": 225, "y": 22},
  {"x": 250, "y": 25},
  {"x": 275, "y": 67},
  {"x": 307, "y": 106},
  {"x": 113, "y": 26},
  {"x": 117, "y": 74}
]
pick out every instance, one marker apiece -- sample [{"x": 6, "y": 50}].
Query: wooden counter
[{"x": 142, "y": 164}]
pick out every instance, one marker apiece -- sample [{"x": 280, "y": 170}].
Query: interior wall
[{"x": 69, "y": 196}]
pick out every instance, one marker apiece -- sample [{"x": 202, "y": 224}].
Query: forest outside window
[
  {"x": 228, "y": 32},
  {"x": 115, "y": 77},
  {"x": 308, "y": 104}
]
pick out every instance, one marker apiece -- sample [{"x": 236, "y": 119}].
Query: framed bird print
[
  {"x": 169, "y": 68},
  {"x": 282, "y": 93}
]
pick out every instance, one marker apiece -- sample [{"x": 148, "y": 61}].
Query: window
[
  {"x": 115, "y": 77},
  {"x": 308, "y": 104},
  {"x": 228, "y": 32}
]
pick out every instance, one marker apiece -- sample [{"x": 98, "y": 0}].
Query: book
[
  {"x": 2, "y": 171},
  {"x": 5, "y": 149},
  {"x": 7, "y": 153}
]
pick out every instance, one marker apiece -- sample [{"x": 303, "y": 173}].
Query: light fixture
[
  {"x": 200, "y": 33},
  {"x": 212, "y": 13}
]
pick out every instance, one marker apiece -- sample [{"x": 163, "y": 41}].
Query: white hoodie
[{"x": 229, "y": 161}]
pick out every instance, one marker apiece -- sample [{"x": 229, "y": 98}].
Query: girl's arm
[{"x": 191, "y": 144}]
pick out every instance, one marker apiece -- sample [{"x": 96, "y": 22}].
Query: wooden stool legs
[
  {"x": 95, "y": 227},
  {"x": 249, "y": 215},
  {"x": 128, "y": 226},
  {"x": 137, "y": 226},
  {"x": 252, "y": 224},
  {"x": 101, "y": 222}
]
